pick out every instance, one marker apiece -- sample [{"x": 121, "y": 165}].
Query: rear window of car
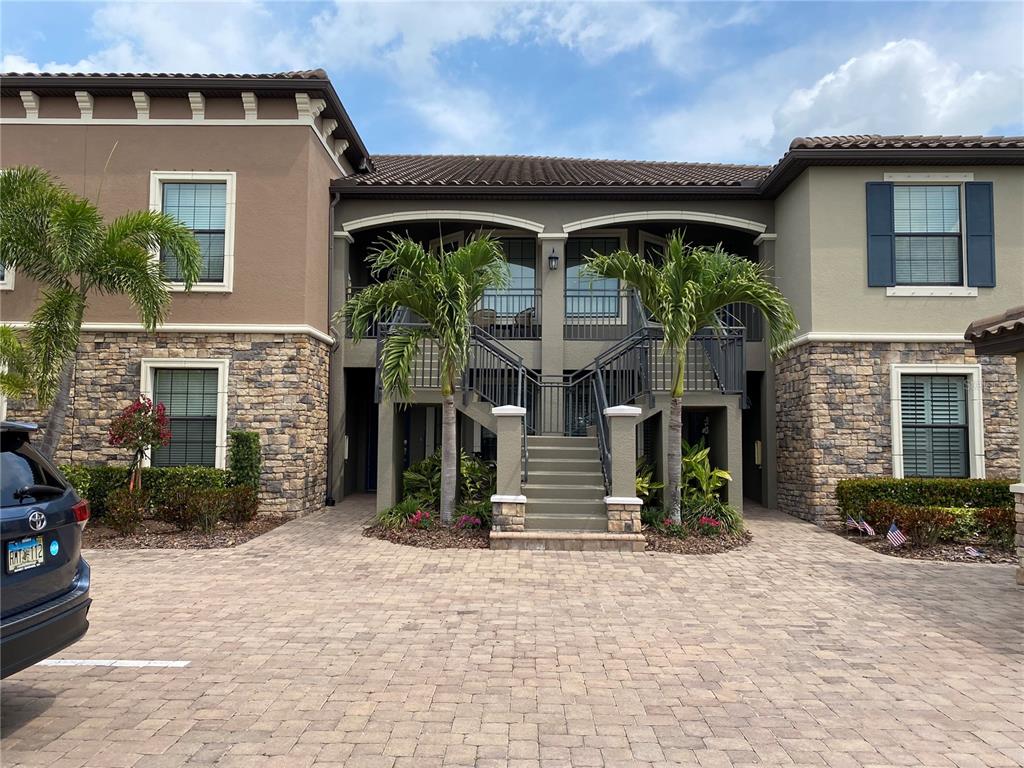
[{"x": 21, "y": 466}]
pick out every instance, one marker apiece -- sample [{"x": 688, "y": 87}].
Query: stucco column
[
  {"x": 770, "y": 441},
  {"x": 623, "y": 505},
  {"x": 336, "y": 387},
  {"x": 388, "y": 444},
  {"x": 508, "y": 505},
  {"x": 734, "y": 446},
  {"x": 552, "y": 285}
]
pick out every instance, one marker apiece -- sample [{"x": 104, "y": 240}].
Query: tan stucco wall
[
  {"x": 843, "y": 302},
  {"x": 283, "y": 173},
  {"x": 792, "y": 251}
]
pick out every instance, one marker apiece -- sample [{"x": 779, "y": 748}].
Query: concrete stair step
[
  {"x": 546, "y": 477},
  {"x": 536, "y": 521},
  {"x": 564, "y": 465},
  {"x": 563, "y": 491},
  {"x": 559, "y": 441},
  {"x": 580, "y": 506},
  {"x": 546, "y": 453},
  {"x": 568, "y": 541}
]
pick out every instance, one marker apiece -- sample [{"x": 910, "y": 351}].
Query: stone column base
[
  {"x": 508, "y": 513},
  {"x": 1018, "y": 498},
  {"x": 623, "y": 514}
]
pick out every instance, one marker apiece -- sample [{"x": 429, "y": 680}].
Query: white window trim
[
  {"x": 975, "y": 422},
  {"x": 964, "y": 291},
  {"x": 7, "y": 284},
  {"x": 151, "y": 364},
  {"x": 646, "y": 237},
  {"x": 156, "y": 181}
]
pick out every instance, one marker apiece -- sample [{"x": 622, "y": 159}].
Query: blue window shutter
[
  {"x": 981, "y": 251},
  {"x": 881, "y": 267}
]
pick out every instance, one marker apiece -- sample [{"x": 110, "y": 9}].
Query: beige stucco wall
[
  {"x": 842, "y": 300},
  {"x": 281, "y": 231},
  {"x": 792, "y": 251}
]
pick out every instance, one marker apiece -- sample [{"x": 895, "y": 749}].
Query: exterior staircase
[{"x": 565, "y": 487}]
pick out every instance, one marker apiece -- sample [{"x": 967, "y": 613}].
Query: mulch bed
[
  {"x": 439, "y": 537},
  {"x": 695, "y": 545},
  {"x": 154, "y": 534},
  {"x": 949, "y": 552}
]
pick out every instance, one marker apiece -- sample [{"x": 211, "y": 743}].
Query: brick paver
[{"x": 315, "y": 646}]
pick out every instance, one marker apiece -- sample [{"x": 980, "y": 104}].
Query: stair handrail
[{"x": 601, "y": 422}]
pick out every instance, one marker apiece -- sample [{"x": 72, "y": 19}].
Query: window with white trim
[
  {"x": 927, "y": 228},
  {"x": 205, "y": 203},
  {"x": 589, "y": 295},
  {"x": 193, "y": 392},
  {"x": 934, "y": 426},
  {"x": 6, "y": 278}
]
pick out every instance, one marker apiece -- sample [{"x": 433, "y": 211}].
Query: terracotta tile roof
[
  {"x": 520, "y": 170},
  {"x": 307, "y": 74},
  {"x": 875, "y": 141},
  {"x": 1012, "y": 320}
]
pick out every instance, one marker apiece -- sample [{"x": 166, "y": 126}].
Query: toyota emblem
[{"x": 36, "y": 520}]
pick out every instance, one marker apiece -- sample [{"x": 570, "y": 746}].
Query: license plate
[{"x": 25, "y": 554}]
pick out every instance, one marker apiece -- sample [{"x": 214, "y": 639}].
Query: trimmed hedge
[
  {"x": 854, "y": 495},
  {"x": 244, "y": 458},
  {"x": 159, "y": 483},
  {"x": 927, "y": 525}
]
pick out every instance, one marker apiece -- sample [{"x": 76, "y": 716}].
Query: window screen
[
  {"x": 934, "y": 414},
  {"x": 926, "y": 221},
  {"x": 190, "y": 397},
  {"x": 587, "y": 295},
  {"x": 201, "y": 207}
]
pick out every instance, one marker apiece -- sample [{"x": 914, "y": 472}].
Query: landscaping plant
[
  {"x": 854, "y": 494},
  {"x": 647, "y": 488},
  {"x": 244, "y": 459},
  {"x": 60, "y": 240},
  {"x": 423, "y": 480},
  {"x": 684, "y": 294},
  {"x": 241, "y": 505},
  {"x": 398, "y": 516},
  {"x": 440, "y": 290},
  {"x": 139, "y": 427},
  {"x": 126, "y": 509}
]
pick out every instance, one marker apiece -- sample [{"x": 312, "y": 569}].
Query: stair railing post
[
  {"x": 508, "y": 504},
  {"x": 623, "y": 505}
]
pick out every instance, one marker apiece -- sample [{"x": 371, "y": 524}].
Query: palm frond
[
  {"x": 125, "y": 269},
  {"x": 398, "y": 354},
  {"x": 53, "y": 335},
  {"x": 15, "y": 365},
  {"x": 30, "y": 201},
  {"x": 149, "y": 233}
]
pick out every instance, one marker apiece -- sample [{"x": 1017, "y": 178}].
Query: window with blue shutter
[
  {"x": 933, "y": 410},
  {"x": 981, "y": 251}
]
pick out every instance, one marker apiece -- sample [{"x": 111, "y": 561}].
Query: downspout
[{"x": 328, "y": 498}]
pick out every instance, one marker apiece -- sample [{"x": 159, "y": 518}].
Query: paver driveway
[{"x": 314, "y": 645}]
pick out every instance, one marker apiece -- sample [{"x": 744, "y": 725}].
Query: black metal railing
[
  {"x": 603, "y": 441},
  {"x": 746, "y": 316},
  {"x": 510, "y": 314},
  {"x": 597, "y": 315},
  {"x": 372, "y": 328}
]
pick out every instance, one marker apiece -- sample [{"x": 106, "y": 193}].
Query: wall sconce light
[{"x": 552, "y": 260}]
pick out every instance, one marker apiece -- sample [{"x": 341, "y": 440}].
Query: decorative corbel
[
  {"x": 198, "y": 104},
  {"x": 85, "y": 104},
  {"x": 141, "y": 99}
]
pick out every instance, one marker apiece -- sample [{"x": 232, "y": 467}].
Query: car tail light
[{"x": 81, "y": 510}]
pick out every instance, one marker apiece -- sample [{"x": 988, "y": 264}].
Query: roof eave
[
  {"x": 495, "y": 191},
  {"x": 356, "y": 152}
]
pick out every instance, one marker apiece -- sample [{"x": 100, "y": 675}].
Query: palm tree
[
  {"x": 684, "y": 294},
  {"x": 441, "y": 292},
  {"x": 60, "y": 240}
]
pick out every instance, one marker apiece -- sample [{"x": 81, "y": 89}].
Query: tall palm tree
[
  {"x": 61, "y": 241},
  {"x": 441, "y": 291},
  {"x": 684, "y": 294}
]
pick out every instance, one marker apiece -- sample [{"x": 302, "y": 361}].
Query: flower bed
[
  {"x": 156, "y": 534},
  {"x": 437, "y": 537},
  {"x": 658, "y": 541},
  {"x": 950, "y": 552}
]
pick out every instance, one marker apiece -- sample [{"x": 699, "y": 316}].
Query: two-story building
[{"x": 888, "y": 247}]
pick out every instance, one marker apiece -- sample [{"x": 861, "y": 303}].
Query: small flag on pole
[
  {"x": 851, "y": 524},
  {"x": 863, "y": 525},
  {"x": 895, "y": 536},
  {"x": 972, "y": 552}
]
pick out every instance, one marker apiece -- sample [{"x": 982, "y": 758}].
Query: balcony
[{"x": 509, "y": 314}]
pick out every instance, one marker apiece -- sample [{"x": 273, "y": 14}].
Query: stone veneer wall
[
  {"x": 833, "y": 416},
  {"x": 277, "y": 386},
  {"x": 1019, "y": 534}
]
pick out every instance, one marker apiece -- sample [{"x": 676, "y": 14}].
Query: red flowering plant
[
  {"x": 709, "y": 526},
  {"x": 468, "y": 521},
  {"x": 138, "y": 427},
  {"x": 421, "y": 519}
]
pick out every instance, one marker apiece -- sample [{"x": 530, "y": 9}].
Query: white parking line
[{"x": 111, "y": 663}]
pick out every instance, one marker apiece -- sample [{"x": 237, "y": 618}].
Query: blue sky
[{"x": 727, "y": 82}]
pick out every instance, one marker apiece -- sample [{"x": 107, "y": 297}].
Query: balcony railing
[
  {"x": 512, "y": 314},
  {"x": 371, "y": 330},
  {"x": 746, "y": 316},
  {"x": 598, "y": 315}
]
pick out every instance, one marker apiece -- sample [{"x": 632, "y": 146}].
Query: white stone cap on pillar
[
  {"x": 508, "y": 410},
  {"x": 633, "y": 500},
  {"x": 622, "y": 410},
  {"x": 499, "y": 499},
  {"x": 1017, "y": 488}
]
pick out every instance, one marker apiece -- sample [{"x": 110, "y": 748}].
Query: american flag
[
  {"x": 852, "y": 524},
  {"x": 863, "y": 525},
  {"x": 895, "y": 536},
  {"x": 972, "y": 552}
]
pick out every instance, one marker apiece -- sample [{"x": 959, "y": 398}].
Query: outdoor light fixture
[{"x": 552, "y": 260}]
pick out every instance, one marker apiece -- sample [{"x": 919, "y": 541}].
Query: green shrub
[
  {"x": 691, "y": 513},
  {"x": 96, "y": 483},
  {"x": 423, "y": 480},
  {"x": 923, "y": 526},
  {"x": 853, "y": 495},
  {"x": 126, "y": 510},
  {"x": 207, "y": 507},
  {"x": 244, "y": 458},
  {"x": 478, "y": 509},
  {"x": 398, "y": 516},
  {"x": 175, "y": 508},
  {"x": 647, "y": 488},
  {"x": 997, "y": 524},
  {"x": 242, "y": 504}
]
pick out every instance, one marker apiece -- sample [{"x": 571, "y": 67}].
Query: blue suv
[{"x": 44, "y": 582}]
